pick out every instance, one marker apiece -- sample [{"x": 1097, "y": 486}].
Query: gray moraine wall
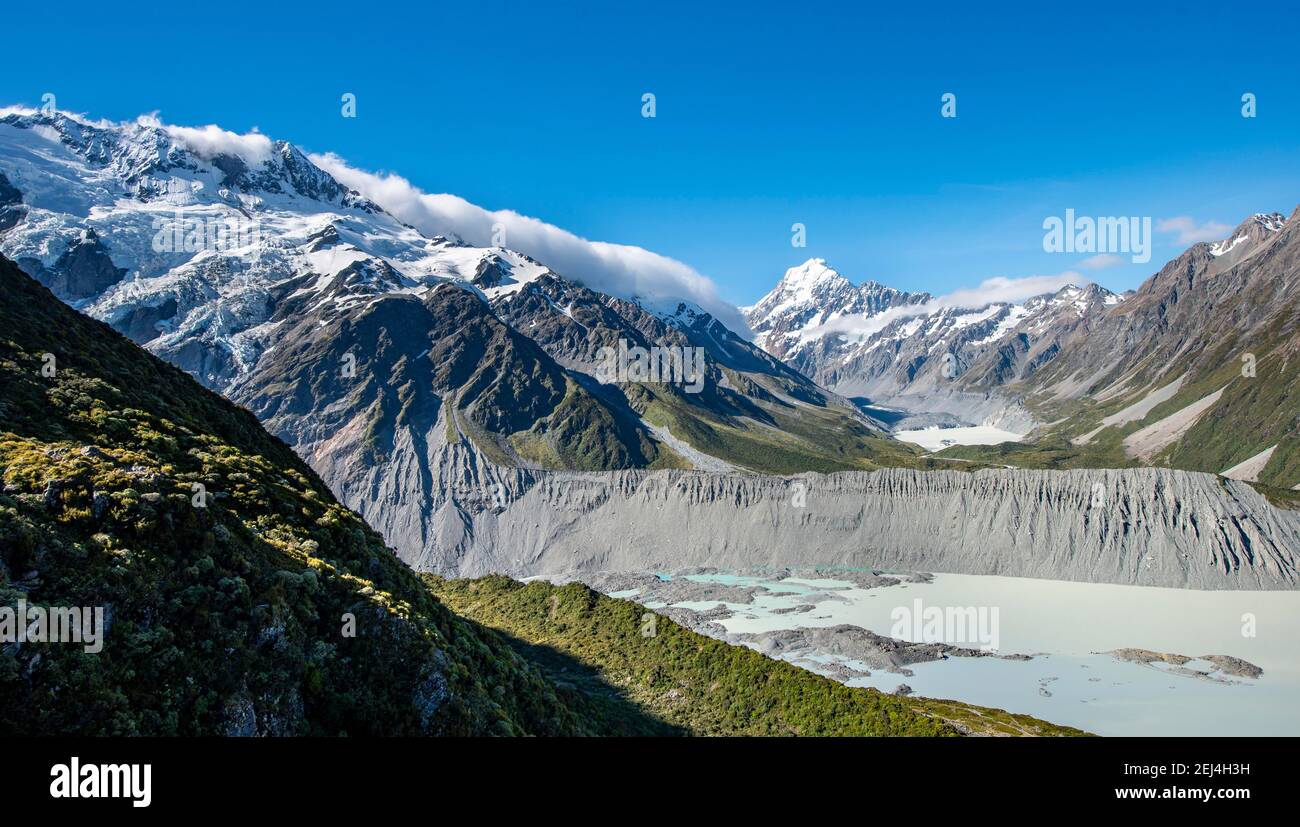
[{"x": 454, "y": 513}]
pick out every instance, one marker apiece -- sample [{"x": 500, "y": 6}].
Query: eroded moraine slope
[{"x": 1150, "y": 526}]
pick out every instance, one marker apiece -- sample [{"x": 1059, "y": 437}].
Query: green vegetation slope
[{"x": 702, "y": 685}]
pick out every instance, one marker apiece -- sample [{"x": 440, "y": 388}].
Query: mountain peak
[
  {"x": 811, "y": 273},
  {"x": 1250, "y": 232}
]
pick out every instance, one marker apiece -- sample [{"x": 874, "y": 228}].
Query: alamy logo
[
  {"x": 969, "y": 626},
  {"x": 1104, "y": 234},
  {"x": 56, "y": 624},
  {"x": 77, "y": 780},
  {"x": 182, "y": 234},
  {"x": 654, "y": 365}
]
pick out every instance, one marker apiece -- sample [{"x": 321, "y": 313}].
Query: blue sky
[{"x": 767, "y": 114}]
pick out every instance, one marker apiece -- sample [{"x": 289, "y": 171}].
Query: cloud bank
[
  {"x": 618, "y": 269},
  {"x": 210, "y": 141}
]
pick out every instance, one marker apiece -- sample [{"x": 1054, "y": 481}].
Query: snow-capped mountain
[
  {"x": 912, "y": 351},
  {"x": 811, "y": 300},
  {"x": 190, "y": 247},
  {"x": 242, "y": 261},
  {"x": 1195, "y": 369},
  {"x": 1247, "y": 236}
]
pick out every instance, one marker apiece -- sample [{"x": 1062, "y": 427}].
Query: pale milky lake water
[
  {"x": 936, "y": 439},
  {"x": 1065, "y": 626}
]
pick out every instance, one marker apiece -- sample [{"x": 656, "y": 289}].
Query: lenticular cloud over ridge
[{"x": 617, "y": 269}]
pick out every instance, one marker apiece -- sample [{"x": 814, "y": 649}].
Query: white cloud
[
  {"x": 1003, "y": 289},
  {"x": 205, "y": 141},
  {"x": 1101, "y": 262},
  {"x": 1189, "y": 232},
  {"x": 210, "y": 141},
  {"x": 617, "y": 269},
  {"x": 998, "y": 289}
]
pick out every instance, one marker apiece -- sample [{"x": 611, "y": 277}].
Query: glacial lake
[
  {"x": 1068, "y": 628},
  {"x": 936, "y": 439}
]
